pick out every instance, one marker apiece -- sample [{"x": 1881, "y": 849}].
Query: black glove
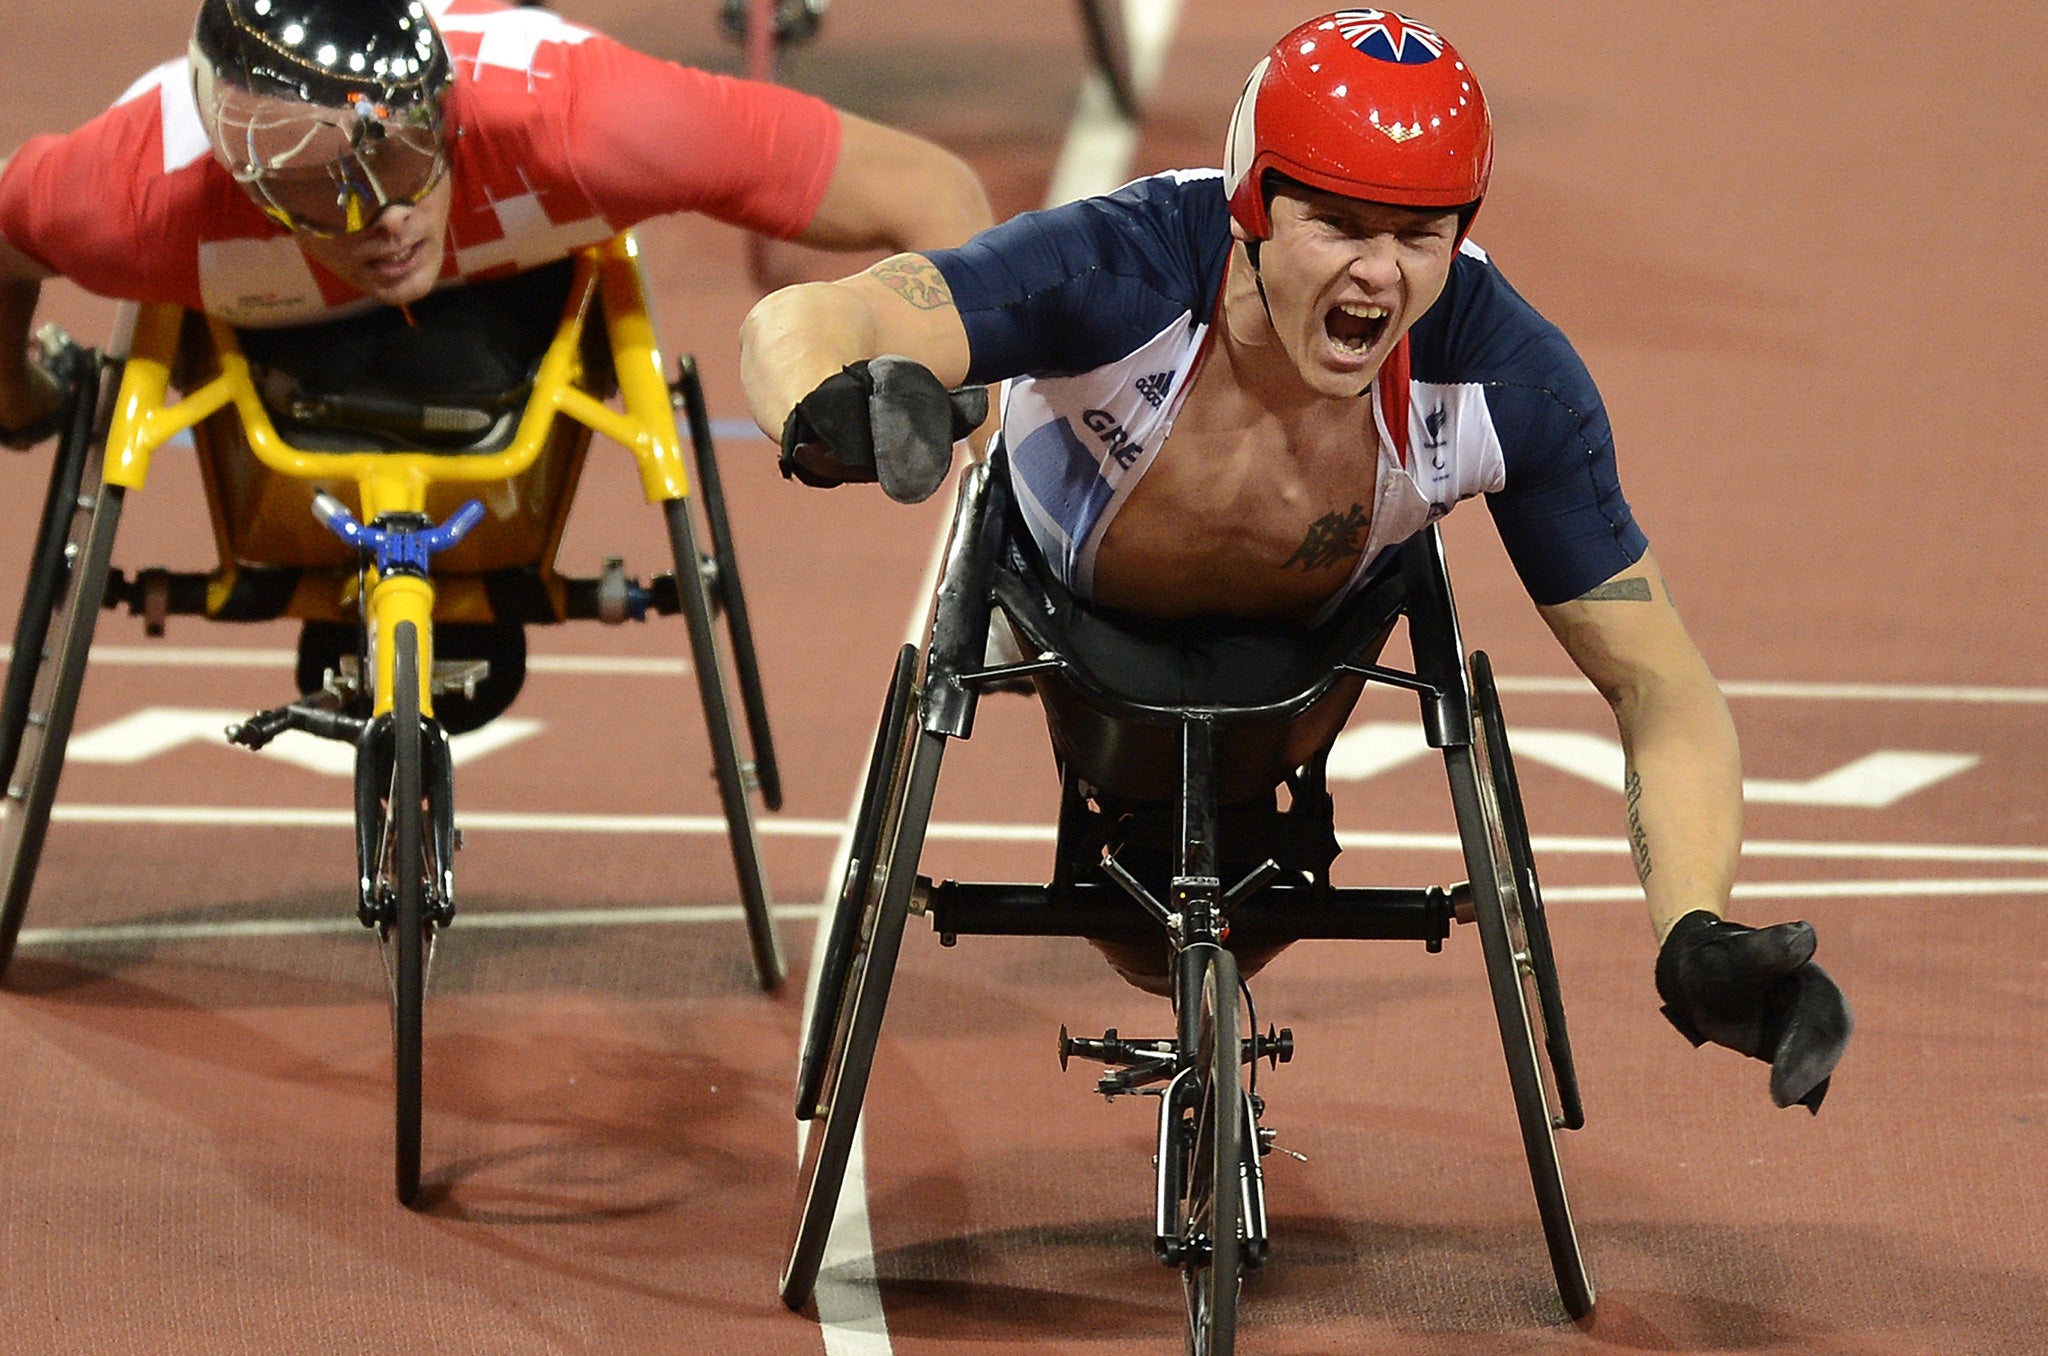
[
  {"x": 885, "y": 419},
  {"x": 1758, "y": 992},
  {"x": 64, "y": 362}
]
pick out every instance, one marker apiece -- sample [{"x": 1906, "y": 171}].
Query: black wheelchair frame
[{"x": 1157, "y": 867}]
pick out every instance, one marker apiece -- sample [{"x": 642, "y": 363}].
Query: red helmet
[{"x": 1364, "y": 103}]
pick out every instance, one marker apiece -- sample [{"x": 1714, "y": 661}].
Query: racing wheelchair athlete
[
  {"x": 1235, "y": 405},
  {"x": 383, "y": 256}
]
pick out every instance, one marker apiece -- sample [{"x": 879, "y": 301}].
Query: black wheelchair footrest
[{"x": 1280, "y": 912}]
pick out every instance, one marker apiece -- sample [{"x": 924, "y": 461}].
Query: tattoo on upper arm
[
  {"x": 1631, "y": 590},
  {"x": 1331, "y": 539},
  {"x": 1638, "y": 841},
  {"x": 916, "y": 279}
]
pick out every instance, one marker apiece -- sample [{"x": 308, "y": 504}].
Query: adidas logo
[{"x": 1155, "y": 387}]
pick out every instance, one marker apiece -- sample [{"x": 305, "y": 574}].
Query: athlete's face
[
  {"x": 397, "y": 257},
  {"x": 1345, "y": 279}
]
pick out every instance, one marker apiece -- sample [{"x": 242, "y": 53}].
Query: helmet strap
[{"x": 1251, "y": 252}]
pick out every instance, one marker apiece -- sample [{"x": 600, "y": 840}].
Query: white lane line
[
  {"x": 223, "y": 657},
  {"x": 848, "y": 1236},
  {"x": 295, "y": 817},
  {"x": 1956, "y": 694},
  {"x": 1820, "y": 889},
  {"x": 1546, "y": 845},
  {"x": 508, "y": 821},
  {"x": 117, "y": 934},
  {"x": 1100, "y": 144},
  {"x": 196, "y": 656}
]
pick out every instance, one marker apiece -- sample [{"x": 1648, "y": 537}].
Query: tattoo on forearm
[
  {"x": 1634, "y": 590},
  {"x": 1638, "y": 841},
  {"x": 914, "y": 278},
  {"x": 1331, "y": 538}
]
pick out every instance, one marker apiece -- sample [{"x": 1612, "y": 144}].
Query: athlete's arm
[
  {"x": 27, "y": 392},
  {"x": 894, "y": 191},
  {"x": 1683, "y": 788},
  {"x": 890, "y": 190},
  {"x": 795, "y": 338}
]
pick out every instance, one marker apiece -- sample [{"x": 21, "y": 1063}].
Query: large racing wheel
[
  {"x": 843, "y": 941},
  {"x": 695, "y": 597},
  {"x": 49, "y": 563},
  {"x": 845, "y": 1058},
  {"x": 1519, "y": 1008},
  {"x": 45, "y": 726},
  {"x": 731, "y": 599},
  {"x": 1534, "y": 934}
]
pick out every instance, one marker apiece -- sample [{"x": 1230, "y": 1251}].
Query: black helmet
[{"x": 325, "y": 110}]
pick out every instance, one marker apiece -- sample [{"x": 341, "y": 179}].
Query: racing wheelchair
[
  {"x": 337, "y": 460},
  {"x": 1171, "y": 743}
]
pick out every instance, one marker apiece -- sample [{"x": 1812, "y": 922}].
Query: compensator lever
[
  {"x": 1138, "y": 1064},
  {"x": 318, "y": 713}
]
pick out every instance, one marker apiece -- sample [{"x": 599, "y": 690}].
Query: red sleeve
[
  {"x": 649, "y": 137},
  {"x": 96, "y": 206}
]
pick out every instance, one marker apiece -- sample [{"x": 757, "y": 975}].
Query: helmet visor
[{"x": 326, "y": 171}]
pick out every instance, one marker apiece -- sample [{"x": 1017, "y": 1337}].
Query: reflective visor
[{"x": 323, "y": 170}]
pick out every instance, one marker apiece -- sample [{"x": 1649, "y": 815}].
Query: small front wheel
[
  {"x": 1212, "y": 1193},
  {"x": 403, "y": 875}
]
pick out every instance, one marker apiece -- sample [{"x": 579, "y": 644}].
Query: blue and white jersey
[{"x": 1096, "y": 315}]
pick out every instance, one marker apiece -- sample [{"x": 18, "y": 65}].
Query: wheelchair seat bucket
[
  {"x": 450, "y": 373},
  {"x": 1278, "y": 695}
]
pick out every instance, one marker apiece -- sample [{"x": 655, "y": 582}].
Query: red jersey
[{"x": 560, "y": 138}]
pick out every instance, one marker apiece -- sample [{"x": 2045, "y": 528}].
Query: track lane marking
[
  {"x": 226, "y": 657},
  {"x": 1959, "y": 694},
  {"x": 517, "y": 821},
  {"x": 1940, "y": 693},
  {"x": 245, "y": 929}
]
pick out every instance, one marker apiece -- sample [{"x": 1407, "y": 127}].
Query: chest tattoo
[{"x": 1330, "y": 539}]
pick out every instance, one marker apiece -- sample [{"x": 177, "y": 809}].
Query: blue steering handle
[{"x": 400, "y": 547}]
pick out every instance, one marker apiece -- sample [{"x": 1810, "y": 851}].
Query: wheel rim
[
  {"x": 873, "y": 822},
  {"x": 1210, "y": 1273},
  {"x": 1518, "y": 1009},
  {"x": 762, "y": 935},
  {"x": 854, "y": 1038}
]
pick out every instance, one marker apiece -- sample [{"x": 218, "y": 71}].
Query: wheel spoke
[{"x": 1211, "y": 1191}]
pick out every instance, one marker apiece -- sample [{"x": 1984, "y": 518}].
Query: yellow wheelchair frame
[{"x": 262, "y": 494}]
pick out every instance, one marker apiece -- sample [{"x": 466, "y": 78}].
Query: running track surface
[{"x": 1795, "y": 245}]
